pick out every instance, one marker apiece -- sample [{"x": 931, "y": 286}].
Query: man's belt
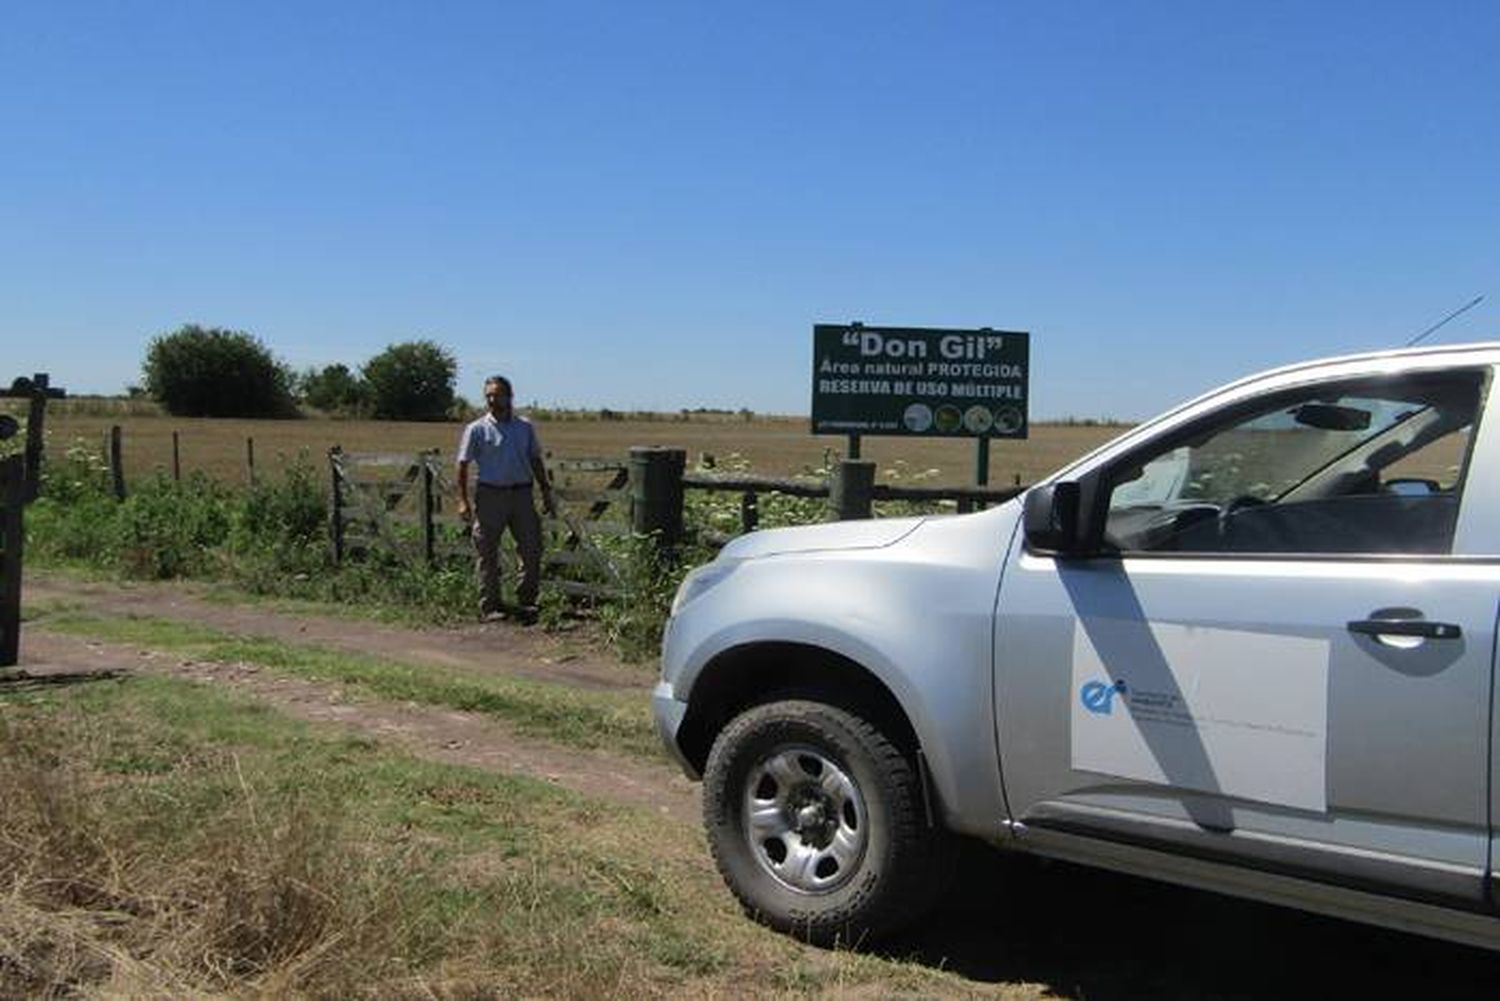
[{"x": 506, "y": 486}]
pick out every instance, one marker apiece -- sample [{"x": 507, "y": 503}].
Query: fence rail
[
  {"x": 596, "y": 498},
  {"x": 750, "y": 488}
]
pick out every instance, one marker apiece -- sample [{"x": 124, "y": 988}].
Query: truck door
[{"x": 1285, "y": 655}]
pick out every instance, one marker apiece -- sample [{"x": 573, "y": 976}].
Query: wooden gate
[
  {"x": 593, "y": 504},
  {"x": 383, "y": 502},
  {"x": 402, "y": 505}
]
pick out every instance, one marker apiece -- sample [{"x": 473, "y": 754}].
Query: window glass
[{"x": 1368, "y": 467}]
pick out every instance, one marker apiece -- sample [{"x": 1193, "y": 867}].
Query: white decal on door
[{"x": 1211, "y": 710}]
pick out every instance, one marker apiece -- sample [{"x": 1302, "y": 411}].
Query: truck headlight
[{"x": 699, "y": 581}]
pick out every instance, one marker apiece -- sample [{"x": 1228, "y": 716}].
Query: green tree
[
  {"x": 411, "y": 381},
  {"x": 208, "y": 372},
  {"x": 335, "y": 389}
]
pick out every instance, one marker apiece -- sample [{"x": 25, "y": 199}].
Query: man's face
[{"x": 497, "y": 398}]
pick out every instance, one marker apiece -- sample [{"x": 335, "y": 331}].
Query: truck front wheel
[{"x": 816, "y": 822}]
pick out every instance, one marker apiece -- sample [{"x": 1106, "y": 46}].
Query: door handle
[{"x": 1406, "y": 627}]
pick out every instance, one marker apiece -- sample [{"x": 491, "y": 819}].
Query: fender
[{"x": 917, "y": 615}]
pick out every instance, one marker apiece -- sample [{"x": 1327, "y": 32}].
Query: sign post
[
  {"x": 20, "y": 480},
  {"x": 921, "y": 381},
  {"x": 38, "y": 390}
]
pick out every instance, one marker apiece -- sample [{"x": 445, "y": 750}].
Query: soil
[
  {"x": 498, "y": 647},
  {"x": 439, "y": 734}
]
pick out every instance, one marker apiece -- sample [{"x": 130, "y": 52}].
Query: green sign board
[{"x": 920, "y": 381}]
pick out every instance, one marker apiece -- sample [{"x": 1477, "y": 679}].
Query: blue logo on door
[{"x": 1098, "y": 697}]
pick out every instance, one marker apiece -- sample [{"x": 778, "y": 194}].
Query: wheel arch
[{"x": 753, "y": 673}]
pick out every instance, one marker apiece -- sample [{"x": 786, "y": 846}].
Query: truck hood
[{"x": 837, "y": 535}]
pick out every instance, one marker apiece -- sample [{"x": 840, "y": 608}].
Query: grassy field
[
  {"x": 773, "y": 446},
  {"x": 163, "y": 839}
]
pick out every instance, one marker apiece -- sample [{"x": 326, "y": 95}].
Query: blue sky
[{"x": 650, "y": 204}]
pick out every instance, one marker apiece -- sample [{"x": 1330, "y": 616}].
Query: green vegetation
[
  {"x": 165, "y": 840},
  {"x": 270, "y": 539},
  {"x": 607, "y": 720},
  {"x": 411, "y": 381},
  {"x": 207, "y": 372},
  {"x": 335, "y": 390}
]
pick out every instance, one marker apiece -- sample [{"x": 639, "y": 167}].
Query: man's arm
[
  {"x": 539, "y": 474},
  {"x": 465, "y": 512},
  {"x": 461, "y": 477}
]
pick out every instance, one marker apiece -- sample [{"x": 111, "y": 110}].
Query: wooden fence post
[
  {"x": 335, "y": 506},
  {"x": 749, "y": 511},
  {"x": 36, "y": 416},
  {"x": 656, "y": 492},
  {"x": 250, "y": 460},
  {"x": 14, "y": 484},
  {"x": 428, "y": 512},
  {"x": 176, "y": 460},
  {"x": 116, "y": 462},
  {"x": 852, "y": 489}
]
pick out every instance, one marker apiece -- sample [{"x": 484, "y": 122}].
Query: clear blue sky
[{"x": 649, "y": 204}]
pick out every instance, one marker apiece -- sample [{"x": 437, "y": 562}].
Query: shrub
[
  {"x": 633, "y": 621},
  {"x": 168, "y": 529},
  {"x": 411, "y": 381},
  {"x": 293, "y": 509},
  {"x": 335, "y": 389},
  {"x": 209, "y": 372}
]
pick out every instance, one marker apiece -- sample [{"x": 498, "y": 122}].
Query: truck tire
[{"x": 816, "y": 821}]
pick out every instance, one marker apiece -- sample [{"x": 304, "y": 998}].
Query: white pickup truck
[{"x": 1248, "y": 646}]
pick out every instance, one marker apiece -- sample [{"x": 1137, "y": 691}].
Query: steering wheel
[
  {"x": 1240, "y": 503},
  {"x": 1234, "y": 507}
]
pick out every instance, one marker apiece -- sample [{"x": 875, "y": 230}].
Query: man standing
[{"x": 507, "y": 458}]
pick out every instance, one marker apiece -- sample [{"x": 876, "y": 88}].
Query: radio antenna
[{"x": 1460, "y": 311}]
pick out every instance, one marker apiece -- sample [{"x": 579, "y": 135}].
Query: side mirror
[
  {"x": 1050, "y": 518},
  {"x": 1407, "y": 486}
]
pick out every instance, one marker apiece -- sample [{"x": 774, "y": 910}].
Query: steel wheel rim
[{"x": 805, "y": 820}]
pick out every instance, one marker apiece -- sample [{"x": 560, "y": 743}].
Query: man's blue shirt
[{"x": 500, "y": 450}]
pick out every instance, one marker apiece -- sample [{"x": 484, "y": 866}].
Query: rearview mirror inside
[{"x": 1331, "y": 417}]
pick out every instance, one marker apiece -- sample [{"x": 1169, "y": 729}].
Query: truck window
[{"x": 1363, "y": 467}]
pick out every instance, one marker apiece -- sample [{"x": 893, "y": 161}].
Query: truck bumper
[{"x": 669, "y": 712}]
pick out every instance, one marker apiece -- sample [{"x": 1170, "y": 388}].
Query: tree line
[{"x": 211, "y": 372}]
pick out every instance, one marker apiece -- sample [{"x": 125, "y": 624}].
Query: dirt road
[{"x": 441, "y": 734}]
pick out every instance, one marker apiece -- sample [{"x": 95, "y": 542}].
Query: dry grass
[
  {"x": 771, "y": 445},
  {"x": 159, "y": 840},
  {"x": 108, "y": 886}
]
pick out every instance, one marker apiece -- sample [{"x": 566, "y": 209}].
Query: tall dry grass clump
[{"x": 131, "y": 885}]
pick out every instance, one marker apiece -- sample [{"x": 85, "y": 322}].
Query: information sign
[{"x": 920, "y": 381}]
